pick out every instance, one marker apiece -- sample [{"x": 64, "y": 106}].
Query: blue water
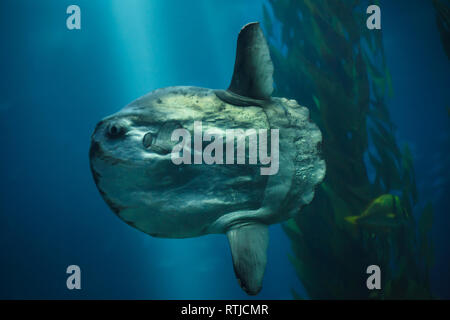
[{"x": 56, "y": 84}]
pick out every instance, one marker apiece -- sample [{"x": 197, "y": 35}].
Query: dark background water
[{"x": 56, "y": 84}]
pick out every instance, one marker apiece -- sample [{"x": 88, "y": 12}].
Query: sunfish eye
[
  {"x": 115, "y": 130},
  {"x": 147, "y": 140}
]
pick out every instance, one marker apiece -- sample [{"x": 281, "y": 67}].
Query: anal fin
[{"x": 248, "y": 245}]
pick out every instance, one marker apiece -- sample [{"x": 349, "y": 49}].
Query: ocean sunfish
[{"x": 133, "y": 160}]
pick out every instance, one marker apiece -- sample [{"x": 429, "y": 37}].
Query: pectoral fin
[{"x": 248, "y": 245}]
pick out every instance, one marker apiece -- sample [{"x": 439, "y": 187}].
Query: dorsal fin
[{"x": 253, "y": 68}]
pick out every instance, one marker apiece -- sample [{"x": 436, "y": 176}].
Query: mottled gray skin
[{"x": 149, "y": 192}]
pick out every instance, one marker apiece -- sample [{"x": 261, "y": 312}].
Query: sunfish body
[{"x": 131, "y": 161}]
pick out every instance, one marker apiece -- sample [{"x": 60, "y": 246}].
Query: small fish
[{"x": 383, "y": 214}]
